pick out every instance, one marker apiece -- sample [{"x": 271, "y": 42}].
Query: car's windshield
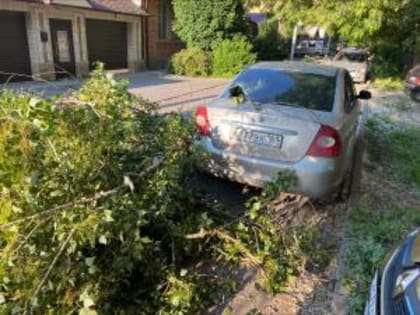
[
  {"x": 288, "y": 88},
  {"x": 356, "y": 56}
]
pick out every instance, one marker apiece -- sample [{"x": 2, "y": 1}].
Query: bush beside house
[
  {"x": 269, "y": 44},
  {"x": 227, "y": 58},
  {"x": 213, "y": 32},
  {"x": 230, "y": 56},
  {"x": 191, "y": 61},
  {"x": 201, "y": 23},
  {"x": 218, "y": 39}
]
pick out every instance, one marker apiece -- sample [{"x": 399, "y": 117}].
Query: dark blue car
[{"x": 395, "y": 288}]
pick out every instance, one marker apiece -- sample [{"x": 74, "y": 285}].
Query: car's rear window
[{"x": 288, "y": 88}]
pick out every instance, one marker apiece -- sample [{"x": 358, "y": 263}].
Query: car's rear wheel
[
  {"x": 415, "y": 95},
  {"x": 344, "y": 190}
]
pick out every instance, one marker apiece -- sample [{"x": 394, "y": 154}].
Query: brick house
[{"x": 50, "y": 39}]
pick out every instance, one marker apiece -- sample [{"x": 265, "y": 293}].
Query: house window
[{"x": 164, "y": 19}]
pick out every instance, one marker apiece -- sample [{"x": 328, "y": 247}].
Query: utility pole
[{"x": 294, "y": 39}]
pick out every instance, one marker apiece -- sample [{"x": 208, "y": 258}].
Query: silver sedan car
[{"x": 278, "y": 116}]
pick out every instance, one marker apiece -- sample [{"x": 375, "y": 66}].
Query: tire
[
  {"x": 344, "y": 191},
  {"x": 415, "y": 95}
]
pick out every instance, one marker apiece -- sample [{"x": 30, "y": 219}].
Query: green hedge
[
  {"x": 231, "y": 56},
  {"x": 269, "y": 45},
  {"x": 191, "y": 61}
]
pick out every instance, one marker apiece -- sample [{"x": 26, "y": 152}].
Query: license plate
[
  {"x": 257, "y": 137},
  {"x": 372, "y": 303}
]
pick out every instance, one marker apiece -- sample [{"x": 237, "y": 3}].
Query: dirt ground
[{"x": 319, "y": 292}]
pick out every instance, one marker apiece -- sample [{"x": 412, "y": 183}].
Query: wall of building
[
  {"x": 159, "y": 51},
  {"x": 37, "y": 21}
]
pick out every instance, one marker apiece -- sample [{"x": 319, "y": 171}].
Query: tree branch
[
  {"x": 226, "y": 237},
  {"x": 67, "y": 205},
  {"x": 103, "y": 194},
  {"x": 50, "y": 268}
]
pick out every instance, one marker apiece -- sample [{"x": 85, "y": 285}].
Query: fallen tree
[{"x": 99, "y": 212}]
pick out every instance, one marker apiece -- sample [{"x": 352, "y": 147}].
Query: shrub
[
  {"x": 231, "y": 56},
  {"x": 388, "y": 83},
  {"x": 200, "y": 23},
  {"x": 191, "y": 61},
  {"x": 269, "y": 45}
]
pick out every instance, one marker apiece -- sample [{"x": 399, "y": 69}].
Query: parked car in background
[
  {"x": 356, "y": 61},
  {"x": 395, "y": 288},
  {"x": 412, "y": 83},
  {"x": 284, "y": 116},
  {"x": 312, "y": 47}
]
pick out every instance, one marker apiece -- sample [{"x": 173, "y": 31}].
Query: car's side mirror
[{"x": 364, "y": 95}]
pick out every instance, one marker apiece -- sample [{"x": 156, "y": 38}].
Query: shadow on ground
[{"x": 316, "y": 290}]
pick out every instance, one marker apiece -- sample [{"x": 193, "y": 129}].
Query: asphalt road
[{"x": 170, "y": 92}]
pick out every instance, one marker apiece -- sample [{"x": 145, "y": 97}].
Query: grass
[
  {"x": 374, "y": 230},
  {"x": 386, "y": 211},
  {"x": 395, "y": 146},
  {"x": 389, "y": 83},
  {"x": 400, "y": 105}
]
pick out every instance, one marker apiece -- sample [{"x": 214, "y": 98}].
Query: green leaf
[
  {"x": 146, "y": 240},
  {"x": 175, "y": 299},
  {"x": 108, "y": 216},
  {"x": 87, "y": 311},
  {"x": 102, "y": 240},
  {"x": 34, "y": 101},
  {"x": 86, "y": 299},
  {"x": 89, "y": 261}
]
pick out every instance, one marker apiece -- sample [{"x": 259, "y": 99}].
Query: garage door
[
  {"x": 14, "y": 52},
  {"x": 107, "y": 42}
]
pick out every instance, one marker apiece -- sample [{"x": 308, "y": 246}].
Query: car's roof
[{"x": 297, "y": 66}]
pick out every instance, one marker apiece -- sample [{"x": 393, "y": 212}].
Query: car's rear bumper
[{"x": 316, "y": 176}]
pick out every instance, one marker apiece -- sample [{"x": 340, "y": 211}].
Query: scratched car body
[{"x": 291, "y": 116}]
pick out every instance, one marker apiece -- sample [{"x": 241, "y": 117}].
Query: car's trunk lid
[{"x": 270, "y": 132}]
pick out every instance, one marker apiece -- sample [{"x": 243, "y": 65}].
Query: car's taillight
[
  {"x": 326, "y": 143},
  {"x": 415, "y": 80},
  {"x": 202, "y": 121}
]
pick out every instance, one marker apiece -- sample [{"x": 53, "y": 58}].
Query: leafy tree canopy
[
  {"x": 201, "y": 23},
  {"x": 355, "y": 20},
  {"x": 388, "y": 27}
]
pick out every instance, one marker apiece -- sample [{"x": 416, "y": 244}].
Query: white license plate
[
  {"x": 257, "y": 137},
  {"x": 372, "y": 303}
]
